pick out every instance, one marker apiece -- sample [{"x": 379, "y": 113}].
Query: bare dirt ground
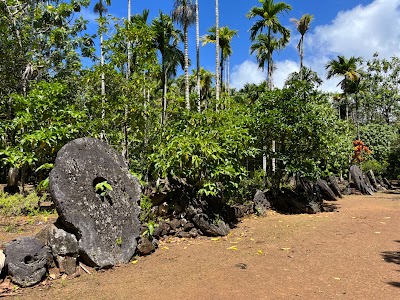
[{"x": 350, "y": 254}]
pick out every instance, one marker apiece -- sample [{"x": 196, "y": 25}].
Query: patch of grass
[{"x": 16, "y": 205}]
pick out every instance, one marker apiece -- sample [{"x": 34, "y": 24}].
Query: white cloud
[
  {"x": 246, "y": 72},
  {"x": 361, "y": 31},
  {"x": 283, "y": 69}
]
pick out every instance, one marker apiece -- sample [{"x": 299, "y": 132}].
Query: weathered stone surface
[
  {"x": 373, "y": 181},
  {"x": 60, "y": 241},
  {"x": 358, "y": 179},
  {"x": 63, "y": 245},
  {"x": 2, "y": 261},
  {"x": 145, "y": 246},
  {"x": 210, "y": 228},
  {"x": 325, "y": 190},
  {"x": 27, "y": 260},
  {"x": 334, "y": 185},
  {"x": 174, "y": 224},
  {"x": 12, "y": 181},
  {"x": 387, "y": 183},
  {"x": 162, "y": 229},
  {"x": 66, "y": 264},
  {"x": 106, "y": 226},
  {"x": 366, "y": 179},
  {"x": 261, "y": 203}
]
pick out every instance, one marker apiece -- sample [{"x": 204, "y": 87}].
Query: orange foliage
[{"x": 360, "y": 151}]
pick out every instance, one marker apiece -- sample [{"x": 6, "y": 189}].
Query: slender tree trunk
[
  {"x": 103, "y": 83},
  {"x": 198, "y": 57},
  {"x": 186, "y": 46},
  {"x": 128, "y": 65},
  {"x": 164, "y": 110},
  {"x": 217, "y": 76},
  {"x": 301, "y": 51},
  {"x": 127, "y": 76},
  {"x": 229, "y": 74}
]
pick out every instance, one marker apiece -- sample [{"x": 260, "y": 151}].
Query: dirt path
[{"x": 350, "y": 254}]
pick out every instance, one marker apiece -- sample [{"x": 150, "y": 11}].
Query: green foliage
[
  {"x": 310, "y": 138},
  {"x": 207, "y": 149},
  {"x": 102, "y": 188},
  {"x": 393, "y": 170},
  {"x": 379, "y": 138},
  {"x": 248, "y": 186},
  {"x": 44, "y": 121},
  {"x": 146, "y": 215},
  {"x": 379, "y": 168},
  {"x": 16, "y": 205},
  {"x": 151, "y": 226}
]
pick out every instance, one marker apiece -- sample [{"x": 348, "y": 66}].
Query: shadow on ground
[{"x": 392, "y": 257}]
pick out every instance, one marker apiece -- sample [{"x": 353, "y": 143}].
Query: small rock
[
  {"x": 145, "y": 246},
  {"x": 241, "y": 266},
  {"x": 174, "y": 223}
]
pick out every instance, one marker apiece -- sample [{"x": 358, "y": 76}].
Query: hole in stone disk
[
  {"x": 101, "y": 192},
  {"x": 28, "y": 259}
]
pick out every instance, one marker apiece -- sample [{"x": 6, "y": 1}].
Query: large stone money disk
[{"x": 106, "y": 225}]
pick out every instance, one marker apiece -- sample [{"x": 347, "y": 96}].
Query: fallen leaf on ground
[
  {"x": 215, "y": 239},
  {"x": 232, "y": 248},
  {"x": 285, "y": 249},
  {"x": 134, "y": 261},
  {"x": 164, "y": 248},
  {"x": 259, "y": 252}
]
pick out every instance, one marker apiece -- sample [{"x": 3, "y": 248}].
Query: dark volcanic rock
[
  {"x": 325, "y": 190},
  {"x": 106, "y": 226},
  {"x": 334, "y": 185},
  {"x": 27, "y": 259},
  {"x": 372, "y": 180},
  {"x": 64, "y": 247},
  {"x": 209, "y": 227},
  {"x": 261, "y": 203},
  {"x": 358, "y": 179},
  {"x": 145, "y": 246}
]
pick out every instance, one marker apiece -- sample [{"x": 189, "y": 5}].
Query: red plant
[{"x": 360, "y": 151}]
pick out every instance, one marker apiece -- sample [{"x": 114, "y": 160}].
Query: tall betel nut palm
[
  {"x": 277, "y": 36},
  {"x": 351, "y": 72},
  {"x": 302, "y": 25},
  {"x": 225, "y": 38},
  {"x": 100, "y": 8},
  {"x": 184, "y": 13}
]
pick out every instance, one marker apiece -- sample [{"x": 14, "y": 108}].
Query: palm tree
[
  {"x": 166, "y": 41},
  {"x": 268, "y": 14},
  {"x": 265, "y": 46},
  {"x": 198, "y": 58},
  {"x": 302, "y": 25},
  {"x": 351, "y": 82},
  {"x": 184, "y": 14},
  {"x": 100, "y": 9},
  {"x": 306, "y": 75},
  {"x": 128, "y": 65},
  {"x": 217, "y": 62},
  {"x": 206, "y": 78},
  {"x": 225, "y": 37}
]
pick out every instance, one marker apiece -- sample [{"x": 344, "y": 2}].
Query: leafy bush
[
  {"x": 208, "y": 149},
  {"x": 15, "y": 205},
  {"x": 310, "y": 139},
  {"x": 146, "y": 215},
  {"x": 377, "y": 167}
]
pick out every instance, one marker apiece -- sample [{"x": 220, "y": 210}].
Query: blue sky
[{"x": 340, "y": 27}]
